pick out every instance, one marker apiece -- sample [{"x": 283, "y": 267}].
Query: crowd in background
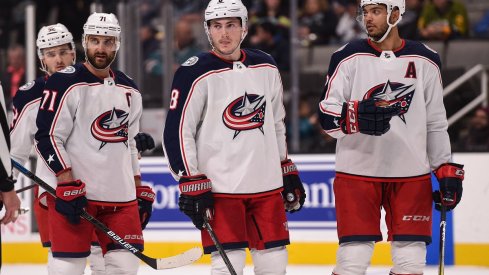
[{"x": 320, "y": 22}]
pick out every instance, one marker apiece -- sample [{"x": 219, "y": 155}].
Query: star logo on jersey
[
  {"x": 111, "y": 127},
  {"x": 394, "y": 94},
  {"x": 245, "y": 113},
  {"x": 50, "y": 159}
]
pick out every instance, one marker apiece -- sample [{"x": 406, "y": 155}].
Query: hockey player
[
  {"x": 8, "y": 197},
  {"x": 224, "y": 138},
  {"x": 383, "y": 103},
  {"x": 88, "y": 116}
]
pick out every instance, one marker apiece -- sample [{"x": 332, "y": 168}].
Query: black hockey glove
[
  {"x": 144, "y": 142},
  {"x": 450, "y": 177},
  {"x": 368, "y": 117},
  {"x": 8, "y": 184},
  {"x": 293, "y": 194},
  {"x": 196, "y": 198},
  {"x": 146, "y": 197},
  {"x": 71, "y": 200}
]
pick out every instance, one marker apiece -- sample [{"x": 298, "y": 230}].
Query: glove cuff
[
  {"x": 195, "y": 185},
  {"x": 450, "y": 170},
  {"x": 70, "y": 190},
  {"x": 289, "y": 168},
  {"x": 145, "y": 193},
  {"x": 349, "y": 117}
]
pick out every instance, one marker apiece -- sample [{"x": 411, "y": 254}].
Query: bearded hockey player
[
  {"x": 383, "y": 102},
  {"x": 88, "y": 118}
]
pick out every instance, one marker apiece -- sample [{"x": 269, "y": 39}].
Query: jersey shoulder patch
[
  {"x": 191, "y": 61},
  {"x": 28, "y": 85},
  {"x": 68, "y": 70}
]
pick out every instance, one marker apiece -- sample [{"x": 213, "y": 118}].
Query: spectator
[
  {"x": 481, "y": 29},
  {"x": 14, "y": 77},
  {"x": 443, "y": 19},
  {"x": 276, "y": 12},
  {"x": 151, "y": 50},
  {"x": 476, "y": 137},
  {"x": 265, "y": 38},
  {"x": 408, "y": 27},
  {"x": 348, "y": 27},
  {"x": 317, "y": 22},
  {"x": 186, "y": 44}
]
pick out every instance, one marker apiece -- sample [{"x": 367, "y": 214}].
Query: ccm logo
[
  {"x": 416, "y": 218},
  {"x": 459, "y": 172},
  {"x": 352, "y": 116},
  {"x": 147, "y": 194},
  {"x": 74, "y": 192}
]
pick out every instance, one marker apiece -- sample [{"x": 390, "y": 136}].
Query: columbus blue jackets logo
[
  {"x": 111, "y": 127},
  {"x": 245, "y": 113},
  {"x": 393, "y": 94}
]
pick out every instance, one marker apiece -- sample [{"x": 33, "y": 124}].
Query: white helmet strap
[{"x": 389, "y": 13}]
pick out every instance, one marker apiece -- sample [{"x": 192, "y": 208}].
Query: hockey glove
[
  {"x": 71, "y": 200},
  {"x": 450, "y": 177},
  {"x": 196, "y": 198},
  {"x": 367, "y": 117},
  {"x": 293, "y": 194},
  {"x": 146, "y": 197},
  {"x": 144, "y": 142}
]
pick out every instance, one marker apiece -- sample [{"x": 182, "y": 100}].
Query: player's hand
[
  {"x": 368, "y": 117},
  {"x": 196, "y": 198},
  {"x": 71, "y": 199},
  {"x": 146, "y": 197},
  {"x": 293, "y": 194},
  {"x": 144, "y": 142},
  {"x": 450, "y": 177}
]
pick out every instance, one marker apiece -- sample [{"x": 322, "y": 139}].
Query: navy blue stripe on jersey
[
  {"x": 185, "y": 79},
  {"x": 56, "y": 89},
  {"x": 27, "y": 95}
]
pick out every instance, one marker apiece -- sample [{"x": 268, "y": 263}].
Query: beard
[
  {"x": 378, "y": 35},
  {"x": 101, "y": 64}
]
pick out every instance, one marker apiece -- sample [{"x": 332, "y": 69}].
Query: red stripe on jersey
[
  {"x": 182, "y": 148},
  {"x": 245, "y": 196},
  {"x": 51, "y": 131}
]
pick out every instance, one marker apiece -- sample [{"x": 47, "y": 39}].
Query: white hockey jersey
[
  {"x": 226, "y": 120},
  {"x": 88, "y": 125},
  {"x": 23, "y": 127},
  {"x": 409, "y": 78}
]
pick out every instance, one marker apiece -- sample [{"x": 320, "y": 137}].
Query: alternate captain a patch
[
  {"x": 111, "y": 127},
  {"x": 245, "y": 113}
]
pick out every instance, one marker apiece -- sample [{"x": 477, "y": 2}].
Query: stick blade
[{"x": 185, "y": 258}]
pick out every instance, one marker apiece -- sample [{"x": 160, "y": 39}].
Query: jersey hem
[
  {"x": 247, "y": 195},
  {"x": 383, "y": 179}
]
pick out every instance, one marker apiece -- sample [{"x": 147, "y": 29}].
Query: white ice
[{"x": 23, "y": 269}]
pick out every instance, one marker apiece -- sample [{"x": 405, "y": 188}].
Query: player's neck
[
  {"x": 103, "y": 73},
  {"x": 391, "y": 43},
  {"x": 236, "y": 55}
]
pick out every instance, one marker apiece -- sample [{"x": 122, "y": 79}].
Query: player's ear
[{"x": 394, "y": 15}]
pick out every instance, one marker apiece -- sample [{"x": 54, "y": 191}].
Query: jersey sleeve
[
  {"x": 439, "y": 150},
  {"x": 6, "y": 167},
  {"x": 188, "y": 101},
  {"x": 136, "y": 112},
  {"x": 279, "y": 116},
  {"x": 54, "y": 121},
  {"x": 23, "y": 126},
  {"x": 335, "y": 93}
]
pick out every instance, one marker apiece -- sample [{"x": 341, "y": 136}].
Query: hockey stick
[
  {"x": 25, "y": 188},
  {"x": 219, "y": 247},
  {"x": 182, "y": 259},
  {"x": 443, "y": 226}
]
